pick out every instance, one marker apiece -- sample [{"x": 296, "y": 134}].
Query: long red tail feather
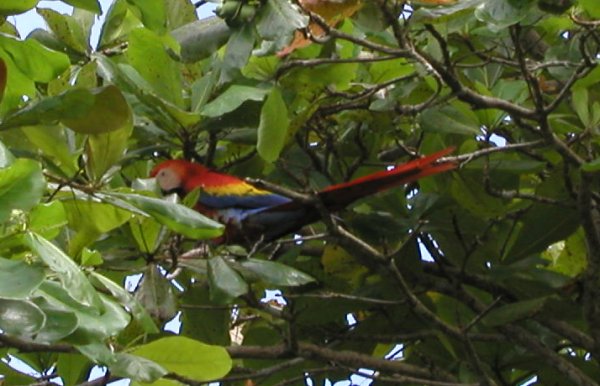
[{"x": 337, "y": 196}]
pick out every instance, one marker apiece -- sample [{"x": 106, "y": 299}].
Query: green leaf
[
  {"x": 147, "y": 232},
  {"x": 176, "y": 217},
  {"x": 207, "y": 325},
  {"x": 6, "y": 157},
  {"x": 71, "y": 277},
  {"x": 72, "y": 368},
  {"x": 59, "y": 323},
  {"x": 95, "y": 323},
  {"x": 592, "y": 166},
  {"x": 126, "y": 299},
  {"x": 156, "y": 294},
  {"x": 275, "y": 273},
  {"x": 513, "y": 312},
  {"x": 18, "y": 279},
  {"x": 21, "y": 186},
  {"x": 187, "y": 357},
  {"x": 48, "y": 219},
  {"x": 569, "y": 257},
  {"x": 441, "y": 14},
  {"x": 277, "y": 21},
  {"x": 137, "y": 368},
  {"x": 153, "y": 13},
  {"x": 120, "y": 21},
  {"x": 163, "y": 74},
  {"x": 237, "y": 53},
  {"x": 88, "y": 5},
  {"x": 130, "y": 81},
  {"x": 224, "y": 280},
  {"x": 202, "y": 38},
  {"x": 231, "y": 99},
  {"x": 90, "y": 219},
  {"x": 108, "y": 112},
  {"x": 106, "y": 150},
  {"x": 90, "y": 258},
  {"x": 15, "y": 7},
  {"x": 97, "y": 352},
  {"x": 592, "y": 7},
  {"x": 94, "y": 111},
  {"x": 503, "y": 13},
  {"x": 3, "y": 78},
  {"x": 52, "y": 142},
  {"x": 273, "y": 128},
  {"x": 448, "y": 120},
  {"x": 543, "y": 225},
  {"x": 27, "y": 62},
  {"x": 14, "y": 377},
  {"x": 469, "y": 192},
  {"x": 20, "y": 317},
  {"x": 202, "y": 90},
  {"x": 580, "y": 102},
  {"x": 66, "y": 29}
]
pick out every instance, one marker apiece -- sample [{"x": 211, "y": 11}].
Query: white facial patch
[{"x": 168, "y": 180}]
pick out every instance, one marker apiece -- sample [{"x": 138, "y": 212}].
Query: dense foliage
[{"x": 487, "y": 275}]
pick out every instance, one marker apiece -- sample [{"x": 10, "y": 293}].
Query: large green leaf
[
  {"x": 48, "y": 219},
  {"x": 187, "y": 357},
  {"x": 209, "y": 325},
  {"x": 90, "y": 219},
  {"x": 94, "y": 111},
  {"x": 20, "y": 317},
  {"x": 201, "y": 38},
  {"x": 231, "y": 99},
  {"x": 70, "y": 275},
  {"x": 273, "y": 128},
  {"x": 88, "y": 5},
  {"x": 14, "y": 7},
  {"x": 18, "y": 279},
  {"x": 591, "y": 6},
  {"x": 146, "y": 47},
  {"x": 66, "y": 29},
  {"x": 513, "y": 311},
  {"x": 51, "y": 140},
  {"x": 165, "y": 112},
  {"x": 27, "y": 62},
  {"x": 238, "y": 50},
  {"x": 72, "y": 368},
  {"x": 137, "y": 368},
  {"x": 224, "y": 281},
  {"x": 3, "y": 78},
  {"x": 503, "y": 13},
  {"x": 449, "y": 120},
  {"x": 21, "y": 186},
  {"x": 107, "y": 149},
  {"x": 543, "y": 225},
  {"x": 95, "y": 324},
  {"x": 155, "y": 294},
  {"x": 119, "y": 22},
  {"x": 59, "y": 323},
  {"x": 153, "y": 13},
  {"x": 127, "y": 300},
  {"x": 275, "y": 273},
  {"x": 441, "y": 14},
  {"x": 176, "y": 217},
  {"x": 277, "y": 21},
  {"x": 6, "y": 157}
]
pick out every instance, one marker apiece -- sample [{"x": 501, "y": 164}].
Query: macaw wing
[{"x": 239, "y": 195}]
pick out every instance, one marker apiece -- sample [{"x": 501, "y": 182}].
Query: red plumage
[{"x": 251, "y": 214}]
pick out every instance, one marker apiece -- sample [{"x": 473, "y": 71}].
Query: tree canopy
[{"x": 487, "y": 275}]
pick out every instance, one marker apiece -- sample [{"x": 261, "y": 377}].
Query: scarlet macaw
[{"x": 251, "y": 214}]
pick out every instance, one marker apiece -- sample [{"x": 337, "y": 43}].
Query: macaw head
[{"x": 175, "y": 176}]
